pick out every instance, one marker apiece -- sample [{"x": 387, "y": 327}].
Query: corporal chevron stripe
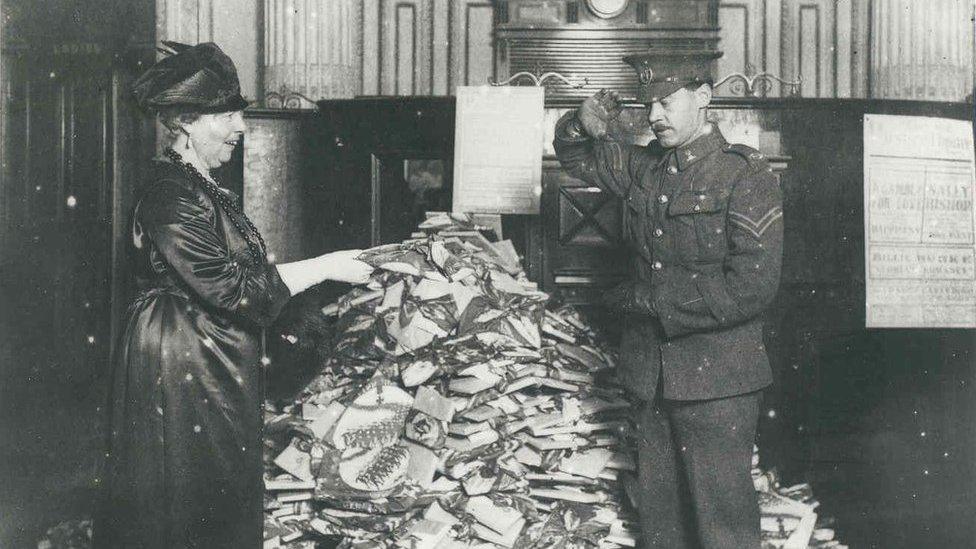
[{"x": 756, "y": 228}]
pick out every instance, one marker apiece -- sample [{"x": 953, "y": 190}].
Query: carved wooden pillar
[
  {"x": 187, "y": 21},
  {"x": 311, "y": 47},
  {"x": 922, "y": 50}
]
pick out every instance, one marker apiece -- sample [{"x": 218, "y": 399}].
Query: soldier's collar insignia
[{"x": 709, "y": 142}]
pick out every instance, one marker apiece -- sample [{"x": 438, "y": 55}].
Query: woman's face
[{"x": 214, "y": 136}]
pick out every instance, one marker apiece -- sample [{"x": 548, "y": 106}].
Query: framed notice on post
[
  {"x": 919, "y": 222},
  {"x": 498, "y": 149}
]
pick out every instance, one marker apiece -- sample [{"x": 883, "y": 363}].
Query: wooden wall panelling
[
  {"x": 860, "y": 49},
  {"x": 826, "y": 43},
  {"x": 405, "y": 46},
  {"x": 236, "y": 25},
  {"x": 809, "y": 38},
  {"x": 471, "y": 43},
  {"x": 853, "y": 404},
  {"x": 772, "y": 40},
  {"x": 61, "y": 253},
  {"x": 843, "y": 21},
  {"x": 741, "y": 38},
  {"x": 45, "y": 120},
  {"x": 131, "y": 146},
  {"x": 441, "y": 48},
  {"x": 16, "y": 101},
  {"x": 76, "y": 201},
  {"x": 370, "y": 48},
  {"x": 86, "y": 195},
  {"x": 59, "y": 257},
  {"x": 425, "y": 47}
]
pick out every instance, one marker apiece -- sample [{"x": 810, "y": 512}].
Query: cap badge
[{"x": 645, "y": 74}]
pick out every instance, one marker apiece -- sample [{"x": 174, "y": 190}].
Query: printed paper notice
[
  {"x": 920, "y": 255},
  {"x": 498, "y": 149}
]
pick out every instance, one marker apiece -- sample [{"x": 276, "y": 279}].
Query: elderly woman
[{"x": 185, "y": 463}]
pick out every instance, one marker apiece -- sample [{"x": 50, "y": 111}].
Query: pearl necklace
[{"x": 236, "y": 215}]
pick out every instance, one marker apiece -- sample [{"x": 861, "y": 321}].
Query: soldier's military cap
[{"x": 661, "y": 73}]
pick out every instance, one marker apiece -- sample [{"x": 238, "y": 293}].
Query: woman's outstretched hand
[{"x": 343, "y": 266}]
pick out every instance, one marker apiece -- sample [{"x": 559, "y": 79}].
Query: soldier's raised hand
[{"x": 597, "y": 111}]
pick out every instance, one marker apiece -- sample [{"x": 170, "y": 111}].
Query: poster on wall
[
  {"x": 498, "y": 145},
  {"x": 919, "y": 222}
]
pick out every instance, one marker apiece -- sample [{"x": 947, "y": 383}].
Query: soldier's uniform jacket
[{"x": 705, "y": 223}]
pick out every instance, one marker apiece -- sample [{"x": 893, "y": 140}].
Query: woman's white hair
[{"x": 173, "y": 121}]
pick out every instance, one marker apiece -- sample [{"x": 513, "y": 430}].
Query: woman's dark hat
[{"x": 197, "y": 78}]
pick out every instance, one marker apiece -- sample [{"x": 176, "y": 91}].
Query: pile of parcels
[
  {"x": 461, "y": 408},
  {"x": 789, "y": 518},
  {"x": 69, "y": 534}
]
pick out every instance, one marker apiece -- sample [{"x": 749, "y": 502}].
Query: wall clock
[{"x": 607, "y": 9}]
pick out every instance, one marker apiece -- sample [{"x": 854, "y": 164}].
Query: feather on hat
[{"x": 200, "y": 78}]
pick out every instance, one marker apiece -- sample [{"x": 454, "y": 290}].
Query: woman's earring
[{"x": 187, "y": 146}]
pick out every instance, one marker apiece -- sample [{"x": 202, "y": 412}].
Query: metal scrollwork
[
  {"x": 757, "y": 85},
  {"x": 540, "y": 79},
  {"x": 286, "y": 99}
]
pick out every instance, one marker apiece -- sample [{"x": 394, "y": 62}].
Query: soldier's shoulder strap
[{"x": 755, "y": 159}]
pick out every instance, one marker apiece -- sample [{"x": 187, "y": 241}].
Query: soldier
[{"x": 704, "y": 220}]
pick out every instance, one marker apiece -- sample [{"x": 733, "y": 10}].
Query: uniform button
[
  {"x": 663, "y": 199},
  {"x": 702, "y": 197},
  {"x": 672, "y": 170},
  {"x": 657, "y": 266},
  {"x": 697, "y": 208},
  {"x": 658, "y": 232}
]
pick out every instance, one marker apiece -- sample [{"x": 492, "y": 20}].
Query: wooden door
[{"x": 72, "y": 150}]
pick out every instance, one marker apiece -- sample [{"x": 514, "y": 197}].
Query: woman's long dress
[{"x": 185, "y": 463}]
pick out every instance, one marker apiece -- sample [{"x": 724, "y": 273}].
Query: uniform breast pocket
[{"x": 699, "y": 224}]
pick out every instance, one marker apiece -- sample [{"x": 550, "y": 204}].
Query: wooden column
[
  {"x": 187, "y": 21},
  {"x": 922, "y": 50},
  {"x": 311, "y": 47}
]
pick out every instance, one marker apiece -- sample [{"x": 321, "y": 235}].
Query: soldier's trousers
[{"x": 694, "y": 488}]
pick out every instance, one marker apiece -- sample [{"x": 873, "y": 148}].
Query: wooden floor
[
  {"x": 46, "y": 457},
  {"x": 886, "y": 485},
  {"x": 51, "y": 479}
]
